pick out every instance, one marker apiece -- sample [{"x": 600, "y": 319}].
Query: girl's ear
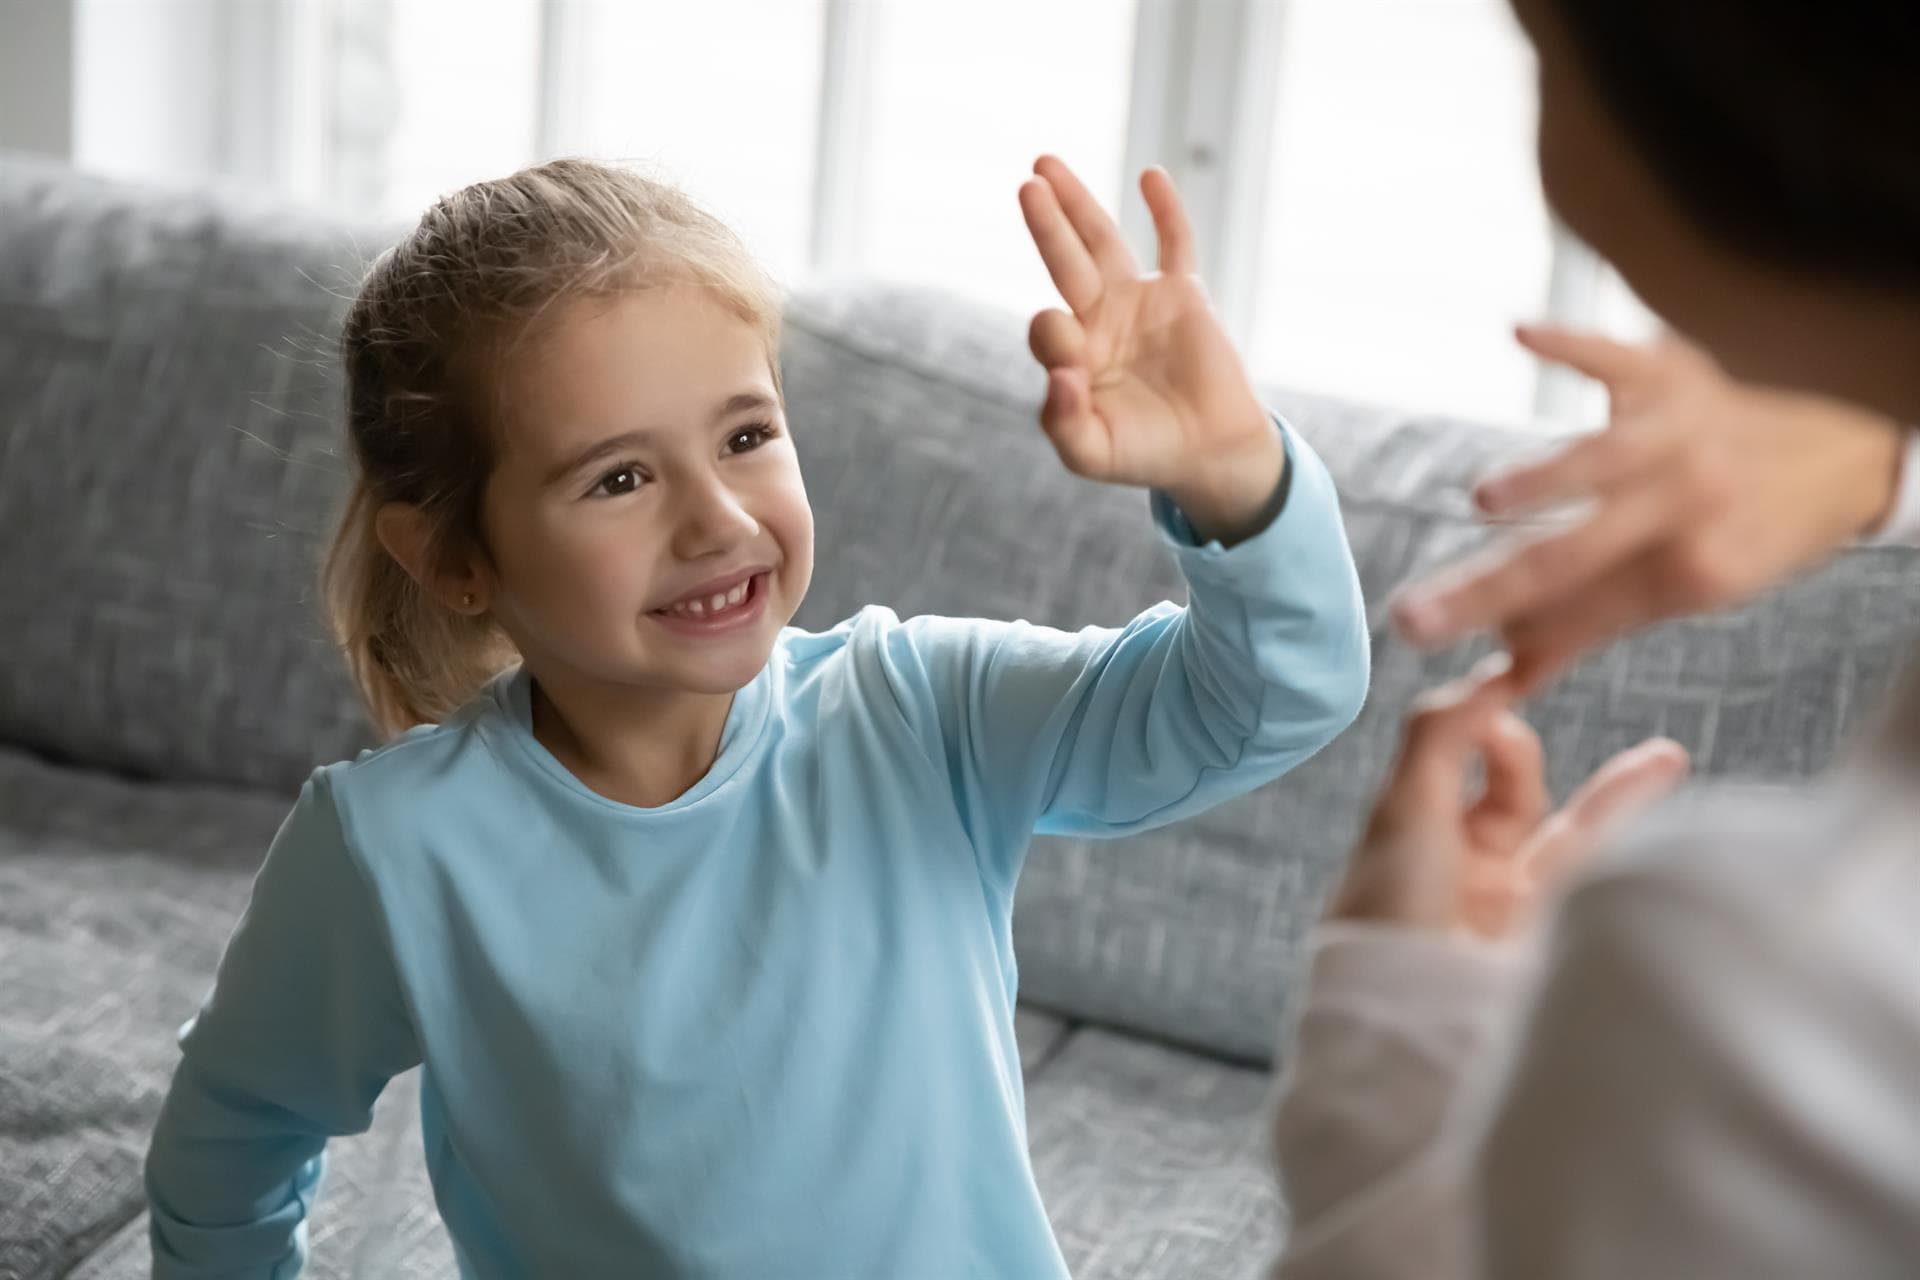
[{"x": 408, "y": 537}]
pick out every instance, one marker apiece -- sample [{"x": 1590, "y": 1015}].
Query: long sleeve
[
  {"x": 1105, "y": 732},
  {"x": 1396, "y": 1020},
  {"x": 1902, "y": 525},
  {"x": 1713, "y": 1077},
  {"x": 1715, "y": 1083},
  {"x": 304, "y": 1027}
]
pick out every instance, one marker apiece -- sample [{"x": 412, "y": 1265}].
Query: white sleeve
[
  {"x": 1902, "y": 525},
  {"x": 1708, "y": 1086},
  {"x": 1373, "y": 1174}
]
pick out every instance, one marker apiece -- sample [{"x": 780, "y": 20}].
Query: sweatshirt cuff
[
  {"x": 1416, "y": 974},
  {"x": 1304, "y": 542},
  {"x": 1902, "y": 525}
]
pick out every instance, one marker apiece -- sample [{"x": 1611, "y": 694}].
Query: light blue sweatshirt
[{"x": 764, "y": 1031}]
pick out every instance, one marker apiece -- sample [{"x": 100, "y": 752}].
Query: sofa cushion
[
  {"x": 1153, "y": 1161},
  {"x": 115, "y": 899}
]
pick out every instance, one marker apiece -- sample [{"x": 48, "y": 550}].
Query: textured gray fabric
[
  {"x": 115, "y": 900},
  {"x": 1040, "y": 1037},
  {"x": 1153, "y": 1161},
  {"x": 915, "y": 417},
  {"x": 165, "y": 478}
]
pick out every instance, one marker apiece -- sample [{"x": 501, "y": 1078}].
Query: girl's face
[{"x": 646, "y": 519}]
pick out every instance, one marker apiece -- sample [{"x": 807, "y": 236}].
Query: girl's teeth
[{"x": 724, "y": 600}]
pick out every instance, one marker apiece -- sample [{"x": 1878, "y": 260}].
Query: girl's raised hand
[{"x": 1143, "y": 385}]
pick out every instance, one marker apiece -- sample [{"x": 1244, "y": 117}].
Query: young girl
[{"x": 701, "y": 926}]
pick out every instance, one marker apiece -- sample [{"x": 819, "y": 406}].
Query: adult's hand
[
  {"x": 1435, "y": 857},
  {"x": 1699, "y": 492}
]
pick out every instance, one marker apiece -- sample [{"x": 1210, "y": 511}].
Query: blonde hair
[{"x": 477, "y": 274}]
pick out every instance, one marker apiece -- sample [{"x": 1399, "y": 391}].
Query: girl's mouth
[{"x": 720, "y": 611}]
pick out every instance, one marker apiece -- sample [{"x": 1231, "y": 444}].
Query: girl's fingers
[
  {"x": 1072, "y": 268},
  {"x": 1508, "y": 583},
  {"x": 1056, "y": 339},
  {"x": 1602, "y": 359},
  {"x": 1177, "y": 254},
  {"x": 1068, "y": 418},
  {"x": 1097, "y": 230}
]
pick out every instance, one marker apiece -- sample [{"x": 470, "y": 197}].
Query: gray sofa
[{"x": 168, "y": 463}]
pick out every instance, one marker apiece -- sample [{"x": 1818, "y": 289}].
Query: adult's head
[{"x": 1752, "y": 167}]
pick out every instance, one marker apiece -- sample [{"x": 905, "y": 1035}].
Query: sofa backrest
[
  {"x": 934, "y": 491},
  {"x": 169, "y": 468},
  {"x": 168, "y": 473}
]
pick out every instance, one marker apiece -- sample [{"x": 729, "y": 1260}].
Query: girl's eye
[
  {"x": 747, "y": 439},
  {"x": 615, "y": 483}
]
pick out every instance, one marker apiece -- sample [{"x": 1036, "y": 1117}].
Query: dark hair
[{"x": 1788, "y": 129}]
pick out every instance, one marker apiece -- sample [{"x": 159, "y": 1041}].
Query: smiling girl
[{"x": 700, "y": 924}]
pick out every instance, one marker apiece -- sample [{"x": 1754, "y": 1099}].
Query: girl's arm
[
  {"x": 303, "y": 1029},
  {"x": 1106, "y": 732}
]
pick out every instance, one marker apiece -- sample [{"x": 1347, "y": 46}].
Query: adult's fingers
[
  {"x": 1516, "y": 783},
  {"x": 1601, "y": 359},
  {"x": 1554, "y": 568},
  {"x": 1442, "y": 735},
  {"x": 1618, "y": 791},
  {"x": 1544, "y": 643},
  {"x": 1589, "y": 466}
]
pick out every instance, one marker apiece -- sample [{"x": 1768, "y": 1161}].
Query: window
[
  {"x": 458, "y": 94},
  {"x": 1405, "y": 228},
  {"x": 1360, "y": 171},
  {"x": 964, "y": 97},
  {"x": 723, "y": 97}
]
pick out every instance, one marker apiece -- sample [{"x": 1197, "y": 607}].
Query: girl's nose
[{"x": 713, "y": 520}]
